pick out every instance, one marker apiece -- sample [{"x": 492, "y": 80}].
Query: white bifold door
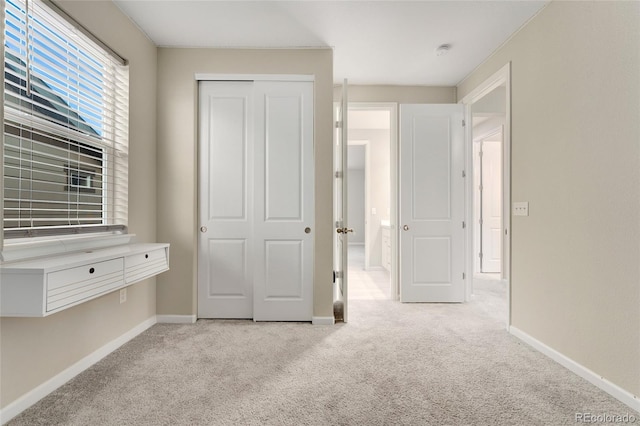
[
  {"x": 256, "y": 213},
  {"x": 431, "y": 203}
]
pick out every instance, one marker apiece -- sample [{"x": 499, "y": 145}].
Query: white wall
[
  {"x": 356, "y": 204},
  {"x": 576, "y": 158},
  {"x": 33, "y": 350}
]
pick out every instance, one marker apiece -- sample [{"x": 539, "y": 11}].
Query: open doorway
[
  {"x": 370, "y": 203},
  {"x": 488, "y": 112}
]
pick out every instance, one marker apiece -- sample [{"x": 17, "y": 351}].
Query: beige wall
[
  {"x": 576, "y": 159},
  {"x": 33, "y": 350},
  {"x": 177, "y": 160},
  {"x": 399, "y": 94}
]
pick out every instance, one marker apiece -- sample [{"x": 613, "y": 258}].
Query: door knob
[
  {"x": 307, "y": 230},
  {"x": 203, "y": 229},
  {"x": 343, "y": 230},
  {"x": 406, "y": 227}
]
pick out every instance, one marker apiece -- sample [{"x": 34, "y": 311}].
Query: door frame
[
  {"x": 392, "y": 108},
  {"x": 499, "y": 78}
]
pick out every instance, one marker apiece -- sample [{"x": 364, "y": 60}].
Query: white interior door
[
  {"x": 431, "y": 203},
  {"x": 340, "y": 188},
  {"x": 255, "y": 253},
  {"x": 225, "y": 253},
  {"x": 491, "y": 202},
  {"x": 284, "y": 202}
]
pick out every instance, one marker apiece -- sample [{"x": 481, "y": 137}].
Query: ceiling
[{"x": 374, "y": 41}]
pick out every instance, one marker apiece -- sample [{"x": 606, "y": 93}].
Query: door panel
[
  {"x": 431, "y": 203},
  {"x": 492, "y": 204},
  {"x": 227, "y": 157},
  {"x": 283, "y": 163},
  {"x": 225, "y": 285},
  {"x": 284, "y": 208},
  {"x": 283, "y": 282},
  {"x": 434, "y": 266},
  {"x": 431, "y": 169}
]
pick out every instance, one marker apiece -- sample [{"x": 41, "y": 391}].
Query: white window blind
[{"x": 66, "y": 109}]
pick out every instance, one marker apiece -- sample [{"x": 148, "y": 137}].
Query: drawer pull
[
  {"x": 92, "y": 270},
  {"x": 146, "y": 256}
]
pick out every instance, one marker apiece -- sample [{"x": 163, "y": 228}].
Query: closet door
[
  {"x": 225, "y": 263},
  {"x": 284, "y": 201}
]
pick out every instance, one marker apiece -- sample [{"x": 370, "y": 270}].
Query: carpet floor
[{"x": 392, "y": 364}]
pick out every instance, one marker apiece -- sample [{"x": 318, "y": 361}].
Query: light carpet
[{"x": 392, "y": 364}]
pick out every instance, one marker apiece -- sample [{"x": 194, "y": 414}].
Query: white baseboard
[
  {"x": 612, "y": 389},
  {"x": 35, "y": 395},
  {"x": 323, "y": 320},
  {"x": 176, "y": 319}
]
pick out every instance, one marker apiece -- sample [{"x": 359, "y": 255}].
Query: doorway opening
[
  {"x": 370, "y": 201},
  {"x": 488, "y": 112}
]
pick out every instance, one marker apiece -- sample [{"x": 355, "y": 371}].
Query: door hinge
[
  {"x": 481, "y": 154},
  {"x": 339, "y": 174},
  {"x": 481, "y": 221},
  {"x": 339, "y": 274},
  {"x": 480, "y": 188},
  {"x": 480, "y": 255},
  {"x": 464, "y": 276},
  {"x": 338, "y": 124},
  {"x": 464, "y": 174},
  {"x": 464, "y": 123},
  {"x": 464, "y": 225}
]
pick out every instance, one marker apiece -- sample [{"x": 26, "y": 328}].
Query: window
[{"x": 65, "y": 127}]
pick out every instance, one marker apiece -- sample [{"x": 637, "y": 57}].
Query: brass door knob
[{"x": 344, "y": 230}]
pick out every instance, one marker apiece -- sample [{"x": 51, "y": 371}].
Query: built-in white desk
[{"x": 42, "y": 286}]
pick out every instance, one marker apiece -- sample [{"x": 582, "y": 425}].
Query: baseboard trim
[
  {"x": 612, "y": 389},
  {"x": 176, "y": 319},
  {"x": 27, "y": 400},
  {"x": 323, "y": 320}
]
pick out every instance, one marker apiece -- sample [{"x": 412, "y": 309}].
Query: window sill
[{"x": 48, "y": 246}]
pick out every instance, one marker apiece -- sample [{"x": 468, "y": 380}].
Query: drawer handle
[
  {"x": 146, "y": 256},
  {"x": 92, "y": 270}
]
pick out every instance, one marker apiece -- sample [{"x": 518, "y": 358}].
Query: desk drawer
[
  {"x": 144, "y": 265},
  {"x": 69, "y": 286}
]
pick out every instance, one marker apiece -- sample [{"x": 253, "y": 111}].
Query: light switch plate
[{"x": 521, "y": 208}]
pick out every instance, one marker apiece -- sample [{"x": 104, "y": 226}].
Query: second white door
[{"x": 431, "y": 203}]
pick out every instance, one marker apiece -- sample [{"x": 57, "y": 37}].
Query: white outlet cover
[{"x": 521, "y": 208}]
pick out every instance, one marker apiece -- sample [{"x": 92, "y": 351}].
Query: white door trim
[
  {"x": 501, "y": 77},
  {"x": 253, "y": 77}
]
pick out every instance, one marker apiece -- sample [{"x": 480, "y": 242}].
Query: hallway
[{"x": 366, "y": 285}]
